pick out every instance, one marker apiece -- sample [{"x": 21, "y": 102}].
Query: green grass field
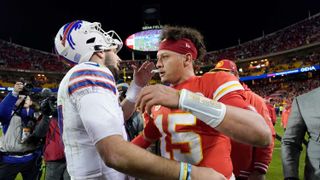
[{"x": 275, "y": 168}]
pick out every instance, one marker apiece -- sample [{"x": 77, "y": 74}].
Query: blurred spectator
[
  {"x": 285, "y": 115},
  {"x": 272, "y": 111}
]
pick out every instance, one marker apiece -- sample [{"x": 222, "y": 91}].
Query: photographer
[
  {"x": 53, "y": 148},
  {"x": 17, "y": 119}
]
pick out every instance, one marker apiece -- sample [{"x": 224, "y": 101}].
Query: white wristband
[
  {"x": 207, "y": 110},
  {"x": 132, "y": 92}
]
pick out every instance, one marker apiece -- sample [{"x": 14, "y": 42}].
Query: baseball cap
[{"x": 226, "y": 65}]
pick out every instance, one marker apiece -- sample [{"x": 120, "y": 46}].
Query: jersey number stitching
[{"x": 177, "y": 143}]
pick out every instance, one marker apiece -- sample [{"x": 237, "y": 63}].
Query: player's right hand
[
  {"x": 200, "y": 173},
  {"x": 157, "y": 95}
]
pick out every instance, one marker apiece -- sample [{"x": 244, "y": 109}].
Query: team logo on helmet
[
  {"x": 67, "y": 29},
  {"x": 220, "y": 64}
]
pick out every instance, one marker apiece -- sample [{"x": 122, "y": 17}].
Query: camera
[
  {"x": 27, "y": 89},
  {"x": 48, "y": 106}
]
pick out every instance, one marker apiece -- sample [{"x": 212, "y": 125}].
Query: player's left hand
[
  {"x": 143, "y": 75},
  {"x": 157, "y": 95}
]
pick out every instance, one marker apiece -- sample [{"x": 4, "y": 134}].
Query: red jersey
[
  {"x": 186, "y": 138},
  {"x": 246, "y": 158}
]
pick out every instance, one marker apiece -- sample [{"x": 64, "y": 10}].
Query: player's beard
[
  {"x": 113, "y": 65},
  {"x": 115, "y": 72}
]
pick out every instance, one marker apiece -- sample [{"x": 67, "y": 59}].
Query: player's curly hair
[{"x": 178, "y": 32}]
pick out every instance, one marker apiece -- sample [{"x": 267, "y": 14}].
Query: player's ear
[{"x": 188, "y": 60}]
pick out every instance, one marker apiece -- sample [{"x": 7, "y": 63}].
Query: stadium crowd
[{"x": 299, "y": 34}]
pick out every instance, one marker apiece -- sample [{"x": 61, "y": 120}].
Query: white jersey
[{"x": 89, "y": 111}]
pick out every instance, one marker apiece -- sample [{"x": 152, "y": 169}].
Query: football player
[
  {"x": 249, "y": 162},
  {"x": 194, "y": 116}
]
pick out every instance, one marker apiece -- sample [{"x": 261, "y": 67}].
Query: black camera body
[
  {"x": 48, "y": 106},
  {"x": 27, "y": 89}
]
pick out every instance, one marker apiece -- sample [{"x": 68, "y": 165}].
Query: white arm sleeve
[
  {"x": 101, "y": 115},
  {"x": 207, "y": 110},
  {"x": 132, "y": 92}
]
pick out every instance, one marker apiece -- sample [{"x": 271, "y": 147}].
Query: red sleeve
[
  {"x": 149, "y": 135},
  {"x": 219, "y": 84},
  {"x": 150, "y": 131},
  {"x": 141, "y": 141},
  {"x": 261, "y": 156},
  {"x": 235, "y": 99}
]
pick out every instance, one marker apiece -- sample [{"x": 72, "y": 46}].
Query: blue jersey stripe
[
  {"x": 60, "y": 119},
  {"x": 89, "y": 84},
  {"x": 90, "y": 72}
]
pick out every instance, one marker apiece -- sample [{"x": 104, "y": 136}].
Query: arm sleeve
[
  {"x": 6, "y": 107},
  {"x": 292, "y": 142},
  {"x": 101, "y": 115},
  {"x": 235, "y": 99},
  {"x": 262, "y": 158},
  {"x": 141, "y": 141},
  {"x": 150, "y": 130}
]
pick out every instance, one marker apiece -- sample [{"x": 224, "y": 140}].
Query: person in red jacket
[
  {"x": 285, "y": 115},
  {"x": 249, "y": 162},
  {"x": 272, "y": 111}
]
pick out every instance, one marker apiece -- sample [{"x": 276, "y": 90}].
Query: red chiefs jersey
[
  {"x": 186, "y": 138},
  {"x": 246, "y": 158}
]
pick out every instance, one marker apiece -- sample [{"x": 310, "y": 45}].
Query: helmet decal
[{"x": 68, "y": 28}]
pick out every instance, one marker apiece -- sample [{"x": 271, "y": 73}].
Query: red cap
[{"x": 226, "y": 65}]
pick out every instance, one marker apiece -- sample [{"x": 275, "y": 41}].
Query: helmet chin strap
[{"x": 99, "y": 48}]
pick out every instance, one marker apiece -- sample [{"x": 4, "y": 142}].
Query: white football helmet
[{"x": 78, "y": 40}]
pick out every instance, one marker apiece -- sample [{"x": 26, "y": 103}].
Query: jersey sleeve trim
[
  {"x": 91, "y": 79},
  {"x": 90, "y": 83},
  {"x": 261, "y": 167},
  {"x": 227, "y": 88},
  {"x": 91, "y": 72}
]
